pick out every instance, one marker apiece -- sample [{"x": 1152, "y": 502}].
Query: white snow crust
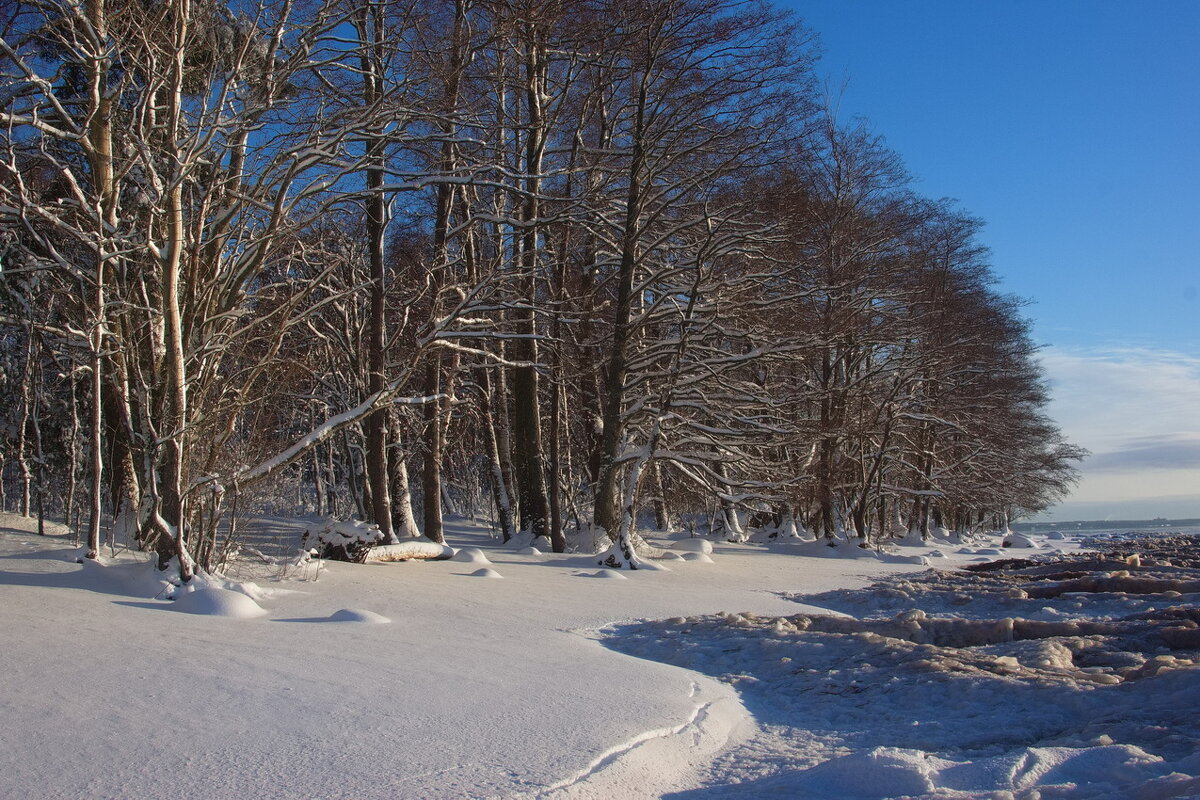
[{"x": 844, "y": 673}]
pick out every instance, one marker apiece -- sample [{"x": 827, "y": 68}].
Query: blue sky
[{"x": 1073, "y": 129}]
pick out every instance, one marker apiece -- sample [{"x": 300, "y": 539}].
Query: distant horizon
[
  {"x": 1137, "y": 523},
  {"x": 1164, "y": 507}
]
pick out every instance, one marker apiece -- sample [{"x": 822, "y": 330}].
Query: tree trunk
[
  {"x": 527, "y": 424},
  {"x": 500, "y": 491},
  {"x": 662, "y": 518},
  {"x": 124, "y": 482},
  {"x": 100, "y": 156},
  {"x": 375, "y": 428},
  {"x": 431, "y": 483},
  {"x": 39, "y": 454},
  {"x": 174, "y": 513},
  {"x": 23, "y": 425},
  {"x": 613, "y": 438},
  {"x": 448, "y": 161},
  {"x": 558, "y": 541},
  {"x": 404, "y": 523}
]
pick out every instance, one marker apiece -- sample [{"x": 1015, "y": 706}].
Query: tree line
[{"x": 579, "y": 261}]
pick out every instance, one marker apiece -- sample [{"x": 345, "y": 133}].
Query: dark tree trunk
[{"x": 375, "y": 428}]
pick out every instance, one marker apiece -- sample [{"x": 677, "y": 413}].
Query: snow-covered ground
[{"x": 510, "y": 673}]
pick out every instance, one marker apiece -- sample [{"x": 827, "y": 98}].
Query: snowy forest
[{"x": 569, "y": 264}]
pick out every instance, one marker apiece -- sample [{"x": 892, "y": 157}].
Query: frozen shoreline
[
  {"x": 477, "y": 688},
  {"x": 1074, "y": 676}
]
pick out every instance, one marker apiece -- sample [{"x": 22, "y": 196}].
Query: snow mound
[
  {"x": 989, "y": 551},
  {"x": 1019, "y": 540},
  {"x": 1056, "y": 536},
  {"x": 529, "y": 551},
  {"x": 693, "y": 545},
  {"x": 609, "y": 574},
  {"x": 411, "y": 549},
  {"x": 937, "y": 554},
  {"x": 700, "y": 558},
  {"x": 486, "y": 572},
  {"x": 358, "y": 615},
  {"x": 471, "y": 555},
  {"x": 214, "y": 601},
  {"x": 671, "y": 555}
]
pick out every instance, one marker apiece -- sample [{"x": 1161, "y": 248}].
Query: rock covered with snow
[
  {"x": 486, "y": 572},
  {"x": 1020, "y": 540},
  {"x": 347, "y": 540}
]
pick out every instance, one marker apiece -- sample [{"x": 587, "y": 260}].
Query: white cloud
[
  {"x": 1106, "y": 399},
  {"x": 1138, "y": 411}
]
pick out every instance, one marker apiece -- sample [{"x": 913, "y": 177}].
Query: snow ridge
[{"x": 657, "y": 755}]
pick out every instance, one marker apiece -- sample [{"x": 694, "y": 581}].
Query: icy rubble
[{"x": 1073, "y": 677}]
